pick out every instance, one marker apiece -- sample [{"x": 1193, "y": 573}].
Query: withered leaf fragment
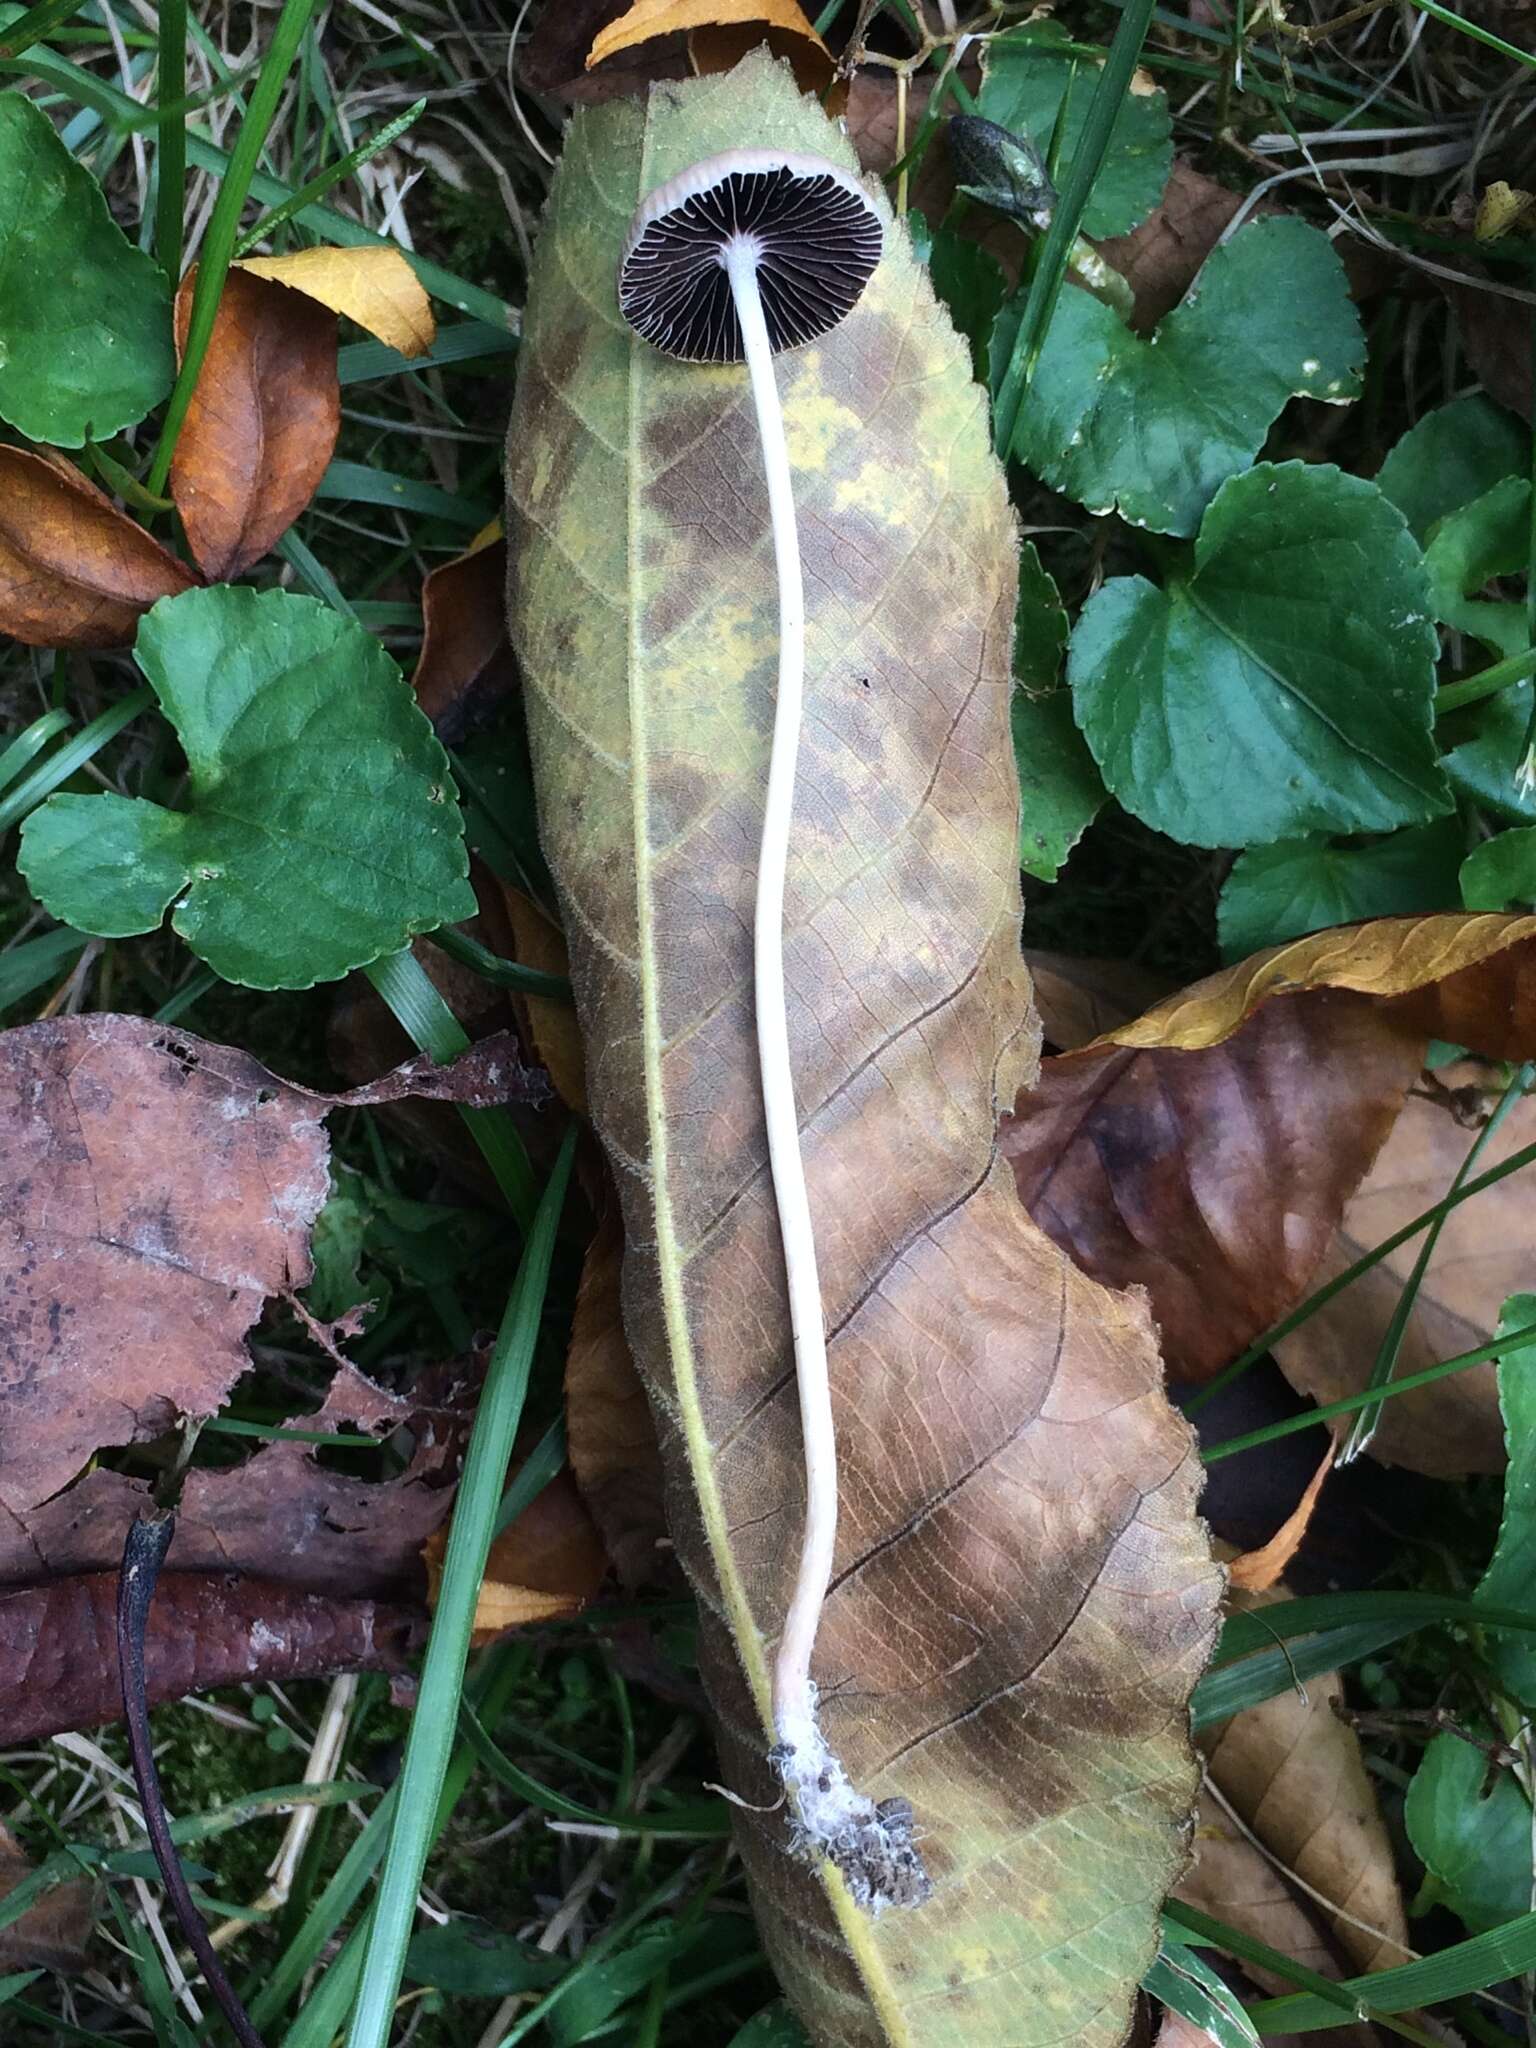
[
  {"x": 1021, "y": 1596},
  {"x": 1205, "y": 1151},
  {"x": 74, "y": 570},
  {"x": 261, "y": 425}
]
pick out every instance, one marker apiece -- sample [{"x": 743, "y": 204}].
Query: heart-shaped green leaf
[
  {"x": 1285, "y": 686},
  {"x": 1060, "y": 790},
  {"x": 1485, "y": 764},
  {"x": 1452, "y": 456},
  {"x": 323, "y": 829},
  {"x": 85, "y": 318},
  {"x": 1488, "y": 537},
  {"x": 1154, "y": 426},
  {"x": 1298, "y": 886},
  {"x": 1501, "y": 873},
  {"x": 1028, "y": 73}
]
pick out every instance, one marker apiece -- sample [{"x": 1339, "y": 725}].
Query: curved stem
[{"x": 793, "y": 1701}]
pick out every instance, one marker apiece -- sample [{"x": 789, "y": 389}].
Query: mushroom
[{"x": 740, "y": 256}]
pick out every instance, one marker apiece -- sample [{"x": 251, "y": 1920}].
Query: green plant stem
[
  {"x": 433, "y": 1725},
  {"x": 530, "y": 981},
  {"x": 224, "y": 224},
  {"x": 1487, "y": 682},
  {"x": 1498, "y": 1347},
  {"x": 1385, "y": 1362},
  {"x": 1256, "y": 1350},
  {"x": 429, "y": 1023},
  {"x": 322, "y": 182},
  {"x": 1051, "y": 269},
  {"x": 171, "y": 151}
]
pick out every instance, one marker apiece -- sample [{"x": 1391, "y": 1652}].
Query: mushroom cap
[{"x": 816, "y": 235}]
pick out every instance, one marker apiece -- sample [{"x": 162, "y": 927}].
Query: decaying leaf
[
  {"x": 1482, "y": 1255},
  {"x": 159, "y": 1188},
  {"x": 545, "y": 1566},
  {"x": 58, "y": 1651},
  {"x": 1032, "y": 1715},
  {"x": 52, "y": 1934},
  {"x": 262, "y": 423},
  {"x": 1257, "y": 1570},
  {"x": 608, "y": 1423},
  {"x": 74, "y": 570},
  {"x": 1080, "y": 997},
  {"x": 373, "y": 285},
  {"x": 465, "y": 665},
  {"x": 1183, "y": 1152},
  {"x": 546, "y": 1026}
]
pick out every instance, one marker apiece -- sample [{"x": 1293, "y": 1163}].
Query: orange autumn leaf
[
  {"x": 544, "y": 1566},
  {"x": 374, "y": 286},
  {"x": 724, "y": 30},
  {"x": 1255, "y": 1571},
  {"x": 262, "y": 423},
  {"x": 74, "y": 570}
]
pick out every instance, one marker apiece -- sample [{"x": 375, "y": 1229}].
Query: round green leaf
[
  {"x": 323, "y": 829},
  {"x": 1452, "y": 456},
  {"x": 1489, "y": 537},
  {"x": 1501, "y": 873},
  {"x": 1298, "y": 886},
  {"x": 1286, "y": 686},
  {"x": 1155, "y": 426},
  {"x": 85, "y": 318},
  {"x": 1027, "y": 74}
]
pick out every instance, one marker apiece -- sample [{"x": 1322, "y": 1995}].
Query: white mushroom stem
[{"x": 794, "y": 1707}]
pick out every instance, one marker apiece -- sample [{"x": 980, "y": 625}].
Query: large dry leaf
[
  {"x": 373, "y": 285},
  {"x": 262, "y": 423},
  {"x": 1482, "y": 1256},
  {"x": 158, "y": 1190},
  {"x": 1021, "y": 1595},
  {"x": 74, "y": 570},
  {"x": 1206, "y": 1150}
]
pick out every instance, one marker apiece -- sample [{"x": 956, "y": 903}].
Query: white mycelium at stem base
[{"x": 798, "y": 234}]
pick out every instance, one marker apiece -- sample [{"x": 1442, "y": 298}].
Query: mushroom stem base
[{"x": 873, "y": 1847}]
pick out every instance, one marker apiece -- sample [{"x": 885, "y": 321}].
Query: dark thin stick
[{"x": 143, "y": 1554}]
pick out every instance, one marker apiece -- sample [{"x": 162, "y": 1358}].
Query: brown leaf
[
  {"x": 646, "y": 20},
  {"x": 74, "y": 570},
  {"x": 374, "y": 285},
  {"x": 548, "y": 1027},
  {"x": 545, "y": 1566},
  {"x": 1482, "y": 1256},
  {"x": 554, "y": 58},
  {"x": 263, "y": 421},
  {"x": 51, "y": 1935},
  {"x": 1159, "y": 260},
  {"x": 1080, "y": 998},
  {"x": 158, "y": 1190},
  {"x": 1496, "y": 334},
  {"x": 608, "y": 1423},
  {"x": 1206, "y": 1150},
  {"x": 1002, "y": 1435},
  {"x": 1291, "y": 1771},
  {"x": 58, "y": 1652},
  {"x": 1257, "y": 1570},
  {"x": 465, "y": 665}
]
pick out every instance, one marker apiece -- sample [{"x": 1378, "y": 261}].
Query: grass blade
[
  {"x": 322, "y": 182},
  {"x": 171, "y": 154},
  {"x": 442, "y": 1680}
]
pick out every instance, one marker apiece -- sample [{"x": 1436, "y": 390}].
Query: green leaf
[
  {"x": 1060, "y": 790},
  {"x": 85, "y": 318},
  {"x": 322, "y": 831},
  {"x": 1468, "y": 548},
  {"x": 1509, "y": 1577},
  {"x": 971, "y": 284},
  {"x": 1285, "y": 686},
  {"x": 1452, "y": 456},
  {"x": 1297, "y": 886},
  {"x": 774, "y": 2027},
  {"x": 1027, "y": 72},
  {"x": 606, "y": 1984},
  {"x": 1501, "y": 873},
  {"x": 1485, "y": 766},
  {"x": 1186, "y": 1983},
  {"x": 1154, "y": 426},
  {"x": 476, "y": 1961},
  {"x": 1473, "y": 1835}
]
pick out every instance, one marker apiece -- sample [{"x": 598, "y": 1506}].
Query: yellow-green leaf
[{"x": 1021, "y": 1597}]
